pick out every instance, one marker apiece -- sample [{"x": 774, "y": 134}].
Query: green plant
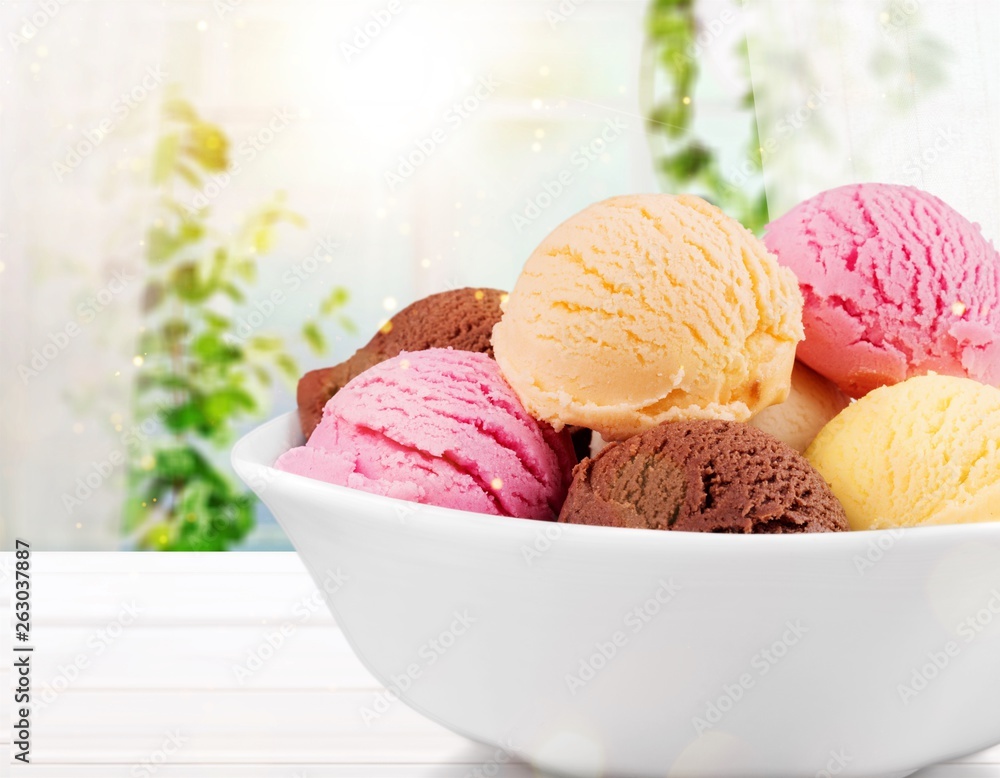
[
  {"x": 670, "y": 75},
  {"x": 199, "y": 374},
  {"x": 684, "y": 162}
]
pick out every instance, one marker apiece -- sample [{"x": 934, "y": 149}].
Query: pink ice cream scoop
[
  {"x": 440, "y": 427},
  {"x": 896, "y": 283}
]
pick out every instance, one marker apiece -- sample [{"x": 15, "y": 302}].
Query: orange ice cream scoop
[{"x": 649, "y": 308}]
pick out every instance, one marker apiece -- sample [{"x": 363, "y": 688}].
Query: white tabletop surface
[{"x": 160, "y": 665}]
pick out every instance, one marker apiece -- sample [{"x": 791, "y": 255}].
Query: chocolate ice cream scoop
[
  {"x": 461, "y": 319},
  {"x": 703, "y": 476}
]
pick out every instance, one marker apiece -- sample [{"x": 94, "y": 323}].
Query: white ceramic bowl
[{"x": 603, "y": 651}]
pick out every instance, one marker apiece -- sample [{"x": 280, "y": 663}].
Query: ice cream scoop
[
  {"x": 702, "y": 476},
  {"x": 896, "y": 284},
  {"x": 460, "y": 318},
  {"x": 649, "y": 308},
  {"x": 441, "y": 427},
  {"x": 812, "y": 402},
  {"x": 924, "y": 451}
]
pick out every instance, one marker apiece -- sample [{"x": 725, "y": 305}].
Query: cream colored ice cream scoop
[
  {"x": 812, "y": 402},
  {"x": 649, "y": 308}
]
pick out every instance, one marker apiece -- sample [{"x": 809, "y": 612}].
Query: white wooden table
[{"x": 161, "y": 665}]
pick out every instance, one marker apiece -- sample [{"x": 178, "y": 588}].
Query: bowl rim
[{"x": 435, "y": 518}]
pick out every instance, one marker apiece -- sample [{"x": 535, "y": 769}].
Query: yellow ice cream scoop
[
  {"x": 922, "y": 452},
  {"x": 649, "y": 308}
]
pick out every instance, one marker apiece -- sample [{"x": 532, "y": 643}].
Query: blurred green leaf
[
  {"x": 758, "y": 215},
  {"x": 261, "y": 374},
  {"x": 165, "y": 157},
  {"x": 347, "y": 325},
  {"x": 190, "y": 232},
  {"x": 336, "y": 299},
  {"x": 287, "y": 365},
  {"x": 263, "y": 239},
  {"x": 215, "y": 320},
  {"x": 314, "y": 337},
  {"x": 160, "y": 245},
  {"x": 210, "y": 347},
  {"x": 175, "y": 330},
  {"x": 266, "y": 342},
  {"x": 688, "y": 162},
  {"x": 188, "y": 284},
  {"x": 172, "y": 464},
  {"x": 189, "y": 174},
  {"x": 152, "y": 296},
  {"x": 209, "y": 146},
  {"x": 231, "y": 401},
  {"x": 149, "y": 343},
  {"x": 246, "y": 269},
  {"x": 168, "y": 381},
  {"x": 185, "y": 417},
  {"x": 233, "y": 292}
]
